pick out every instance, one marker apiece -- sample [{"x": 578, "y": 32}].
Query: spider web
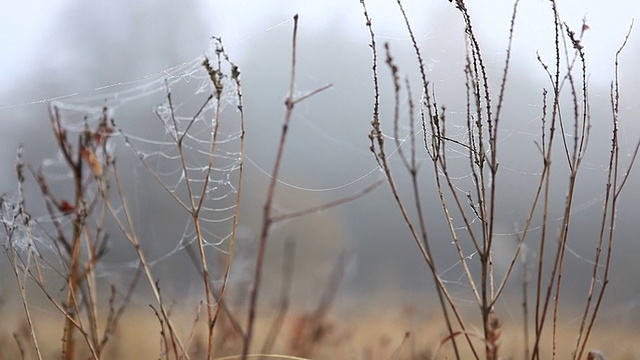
[{"x": 176, "y": 137}]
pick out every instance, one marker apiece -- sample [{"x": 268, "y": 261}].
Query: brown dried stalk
[{"x": 267, "y": 219}]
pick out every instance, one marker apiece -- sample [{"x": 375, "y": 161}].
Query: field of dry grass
[{"x": 402, "y": 332}]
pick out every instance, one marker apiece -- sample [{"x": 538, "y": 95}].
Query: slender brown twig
[{"x": 267, "y": 219}]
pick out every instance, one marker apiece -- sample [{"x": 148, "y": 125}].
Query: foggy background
[{"x": 71, "y": 50}]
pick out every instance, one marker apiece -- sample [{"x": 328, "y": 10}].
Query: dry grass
[{"x": 397, "y": 333}]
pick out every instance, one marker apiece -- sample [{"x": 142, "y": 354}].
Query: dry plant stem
[
  {"x": 490, "y": 322},
  {"x": 114, "y": 316},
  {"x": 377, "y": 143},
  {"x": 195, "y": 211},
  {"x": 475, "y": 157},
  {"x": 580, "y": 140},
  {"x": 558, "y": 262},
  {"x": 311, "y": 329},
  {"x": 221, "y": 301},
  {"x": 266, "y": 356},
  {"x": 40, "y": 283},
  {"x": 576, "y": 158},
  {"x": 192, "y": 208},
  {"x": 474, "y": 68},
  {"x": 82, "y": 301},
  {"x": 69, "y": 348},
  {"x": 196, "y": 197},
  {"x": 78, "y": 279},
  {"x": 376, "y": 135},
  {"x": 267, "y": 220},
  {"x": 20, "y": 346},
  {"x": 484, "y": 208},
  {"x": 328, "y": 205},
  {"x": 525, "y": 306},
  {"x": 196, "y": 319},
  {"x": 455, "y": 334},
  {"x": 374, "y": 65},
  {"x": 486, "y": 202},
  {"x": 23, "y": 299},
  {"x": 541, "y": 308},
  {"x": 288, "y": 258},
  {"x": 412, "y": 168},
  {"x": 396, "y": 352},
  {"x": 452, "y": 229},
  {"x": 164, "y": 343},
  {"x": 375, "y": 123},
  {"x": 613, "y": 189},
  {"x": 534, "y": 205},
  {"x": 440, "y": 167},
  {"x": 581, "y": 135},
  {"x": 331, "y": 289},
  {"x": 546, "y": 149},
  {"x": 435, "y": 128},
  {"x": 12, "y": 255},
  {"x": 266, "y": 212},
  {"x": 90, "y": 300},
  {"x": 480, "y": 85},
  {"x": 128, "y": 230},
  {"x": 235, "y": 75}
]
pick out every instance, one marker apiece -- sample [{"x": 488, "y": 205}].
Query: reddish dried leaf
[
  {"x": 66, "y": 208},
  {"x": 89, "y": 156},
  {"x": 103, "y": 132}
]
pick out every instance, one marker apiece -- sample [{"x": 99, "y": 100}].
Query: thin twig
[
  {"x": 267, "y": 219},
  {"x": 288, "y": 259}
]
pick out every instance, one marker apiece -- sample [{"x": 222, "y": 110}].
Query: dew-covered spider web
[{"x": 161, "y": 158}]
